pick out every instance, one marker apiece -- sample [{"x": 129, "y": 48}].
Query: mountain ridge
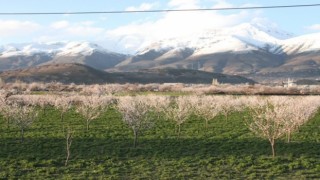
[
  {"x": 246, "y": 49},
  {"x": 29, "y": 55},
  {"x": 243, "y": 50},
  {"x": 82, "y": 74}
]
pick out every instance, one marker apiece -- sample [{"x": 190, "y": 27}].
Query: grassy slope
[{"x": 226, "y": 150}]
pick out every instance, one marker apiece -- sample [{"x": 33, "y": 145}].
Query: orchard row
[{"x": 269, "y": 117}]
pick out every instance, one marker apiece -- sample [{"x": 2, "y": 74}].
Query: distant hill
[
  {"x": 65, "y": 73},
  {"x": 82, "y": 74}
]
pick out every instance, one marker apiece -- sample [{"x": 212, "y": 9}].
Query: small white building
[
  {"x": 215, "y": 82},
  {"x": 289, "y": 83}
]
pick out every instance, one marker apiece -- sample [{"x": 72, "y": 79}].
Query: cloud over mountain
[{"x": 136, "y": 35}]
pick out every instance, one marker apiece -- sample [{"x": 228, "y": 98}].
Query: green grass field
[{"x": 226, "y": 150}]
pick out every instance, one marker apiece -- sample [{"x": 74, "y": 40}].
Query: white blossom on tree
[
  {"x": 208, "y": 108},
  {"x": 63, "y": 104},
  {"x": 136, "y": 114},
  {"x": 91, "y": 107},
  {"x": 22, "y": 117},
  {"x": 159, "y": 104},
  {"x": 179, "y": 111},
  {"x": 276, "y": 116},
  {"x": 5, "y": 109}
]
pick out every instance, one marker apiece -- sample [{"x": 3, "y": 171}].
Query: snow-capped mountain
[
  {"x": 301, "y": 44},
  {"x": 246, "y": 49},
  {"x": 243, "y": 49},
  {"x": 244, "y": 37},
  {"x": 60, "y": 48},
  {"x": 13, "y": 56}
]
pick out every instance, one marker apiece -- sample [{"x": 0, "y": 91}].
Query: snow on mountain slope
[
  {"x": 29, "y": 49},
  {"x": 83, "y": 48},
  {"x": 244, "y": 37},
  {"x": 9, "y": 50},
  {"x": 301, "y": 44},
  {"x": 272, "y": 30},
  {"x": 19, "y": 56},
  {"x": 58, "y": 48}
]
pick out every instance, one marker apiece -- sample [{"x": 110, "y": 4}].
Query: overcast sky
[{"x": 129, "y": 31}]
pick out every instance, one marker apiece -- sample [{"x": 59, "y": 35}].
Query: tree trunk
[
  {"x": 272, "y": 143},
  {"x": 288, "y": 136},
  {"x": 61, "y": 116},
  {"x": 44, "y": 111},
  {"x": 8, "y": 122},
  {"x": 22, "y": 135},
  {"x": 135, "y": 140},
  {"x": 88, "y": 121},
  {"x": 69, "y": 134},
  {"x": 68, "y": 155},
  {"x": 179, "y": 129},
  {"x": 206, "y": 125}
]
